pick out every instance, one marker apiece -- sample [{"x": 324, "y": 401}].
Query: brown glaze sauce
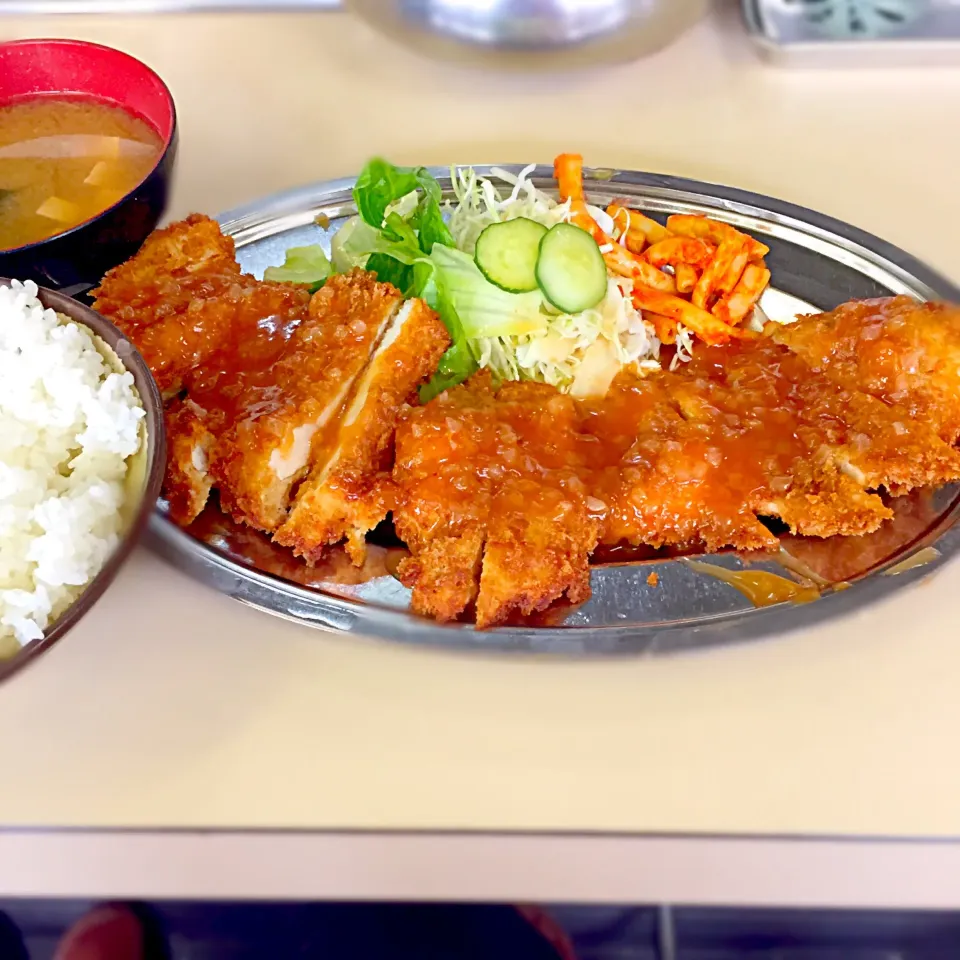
[
  {"x": 919, "y": 559},
  {"x": 666, "y": 460},
  {"x": 241, "y": 382},
  {"x": 760, "y": 587}
]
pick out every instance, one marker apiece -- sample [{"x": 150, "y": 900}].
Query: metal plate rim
[{"x": 285, "y": 202}]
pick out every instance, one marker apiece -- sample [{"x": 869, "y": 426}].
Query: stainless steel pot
[
  {"x": 509, "y": 33},
  {"x": 531, "y": 33}
]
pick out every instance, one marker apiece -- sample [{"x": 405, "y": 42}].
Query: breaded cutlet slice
[
  {"x": 193, "y": 245},
  {"x": 444, "y": 573},
  {"x": 896, "y": 349},
  {"x": 774, "y": 430},
  {"x": 526, "y": 481},
  {"x": 821, "y": 447},
  {"x": 252, "y": 331},
  {"x": 208, "y": 322},
  {"x": 881, "y": 446},
  {"x": 190, "y": 445},
  {"x": 184, "y": 303},
  {"x": 876, "y": 444},
  {"x": 541, "y": 528},
  {"x": 344, "y": 495},
  {"x": 538, "y": 546},
  {"x": 675, "y": 471},
  {"x": 749, "y": 431},
  {"x": 440, "y": 511},
  {"x": 280, "y": 419},
  {"x": 822, "y": 501},
  {"x": 488, "y": 485}
]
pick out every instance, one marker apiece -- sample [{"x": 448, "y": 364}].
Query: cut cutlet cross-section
[
  {"x": 539, "y": 540},
  {"x": 442, "y": 508},
  {"x": 283, "y": 419},
  {"x": 203, "y": 327},
  {"x": 444, "y": 573},
  {"x": 896, "y": 349},
  {"x": 255, "y": 337},
  {"x": 542, "y": 524},
  {"x": 190, "y": 445},
  {"x": 346, "y": 494}
]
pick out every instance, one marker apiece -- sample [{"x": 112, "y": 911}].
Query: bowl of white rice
[{"x": 81, "y": 462}]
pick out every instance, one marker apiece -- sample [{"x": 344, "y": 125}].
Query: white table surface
[{"x": 178, "y": 743}]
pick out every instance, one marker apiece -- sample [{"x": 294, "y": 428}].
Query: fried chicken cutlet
[
  {"x": 255, "y": 431},
  {"x": 257, "y": 375},
  {"x": 279, "y": 421},
  {"x": 820, "y": 445},
  {"x": 896, "y": 349},
  {"x": 744, "y": 431},
  {"x": 186, "y": 305},
  {"x": 505, "y": 493},
  {"x": 491, "y": 502}
]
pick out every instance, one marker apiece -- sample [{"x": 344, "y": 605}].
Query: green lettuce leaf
[
  {"x": 472, "y": 309},
  {"x": 381, "y": 184},
  {"x": 431, "y": 226},
  {"x": 350, "y": 245},
  {"x": 483, "y": 309},
  {"x": 390, "y": 270},
  {"x": 398, "y": 230},
  {"x": 456, "y": 365},
  {"x": 306, "y": 265},
  {"x": 393, "y": 253}
]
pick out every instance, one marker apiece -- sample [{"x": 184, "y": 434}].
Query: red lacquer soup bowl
[{"x": 76, "y": 70}]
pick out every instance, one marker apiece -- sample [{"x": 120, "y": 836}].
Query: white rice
[{"x": 68, "y": 423}]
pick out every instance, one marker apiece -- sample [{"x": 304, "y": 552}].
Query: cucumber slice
[
  {"x": 571, "y": 272},
  {"x": 507, "y": 254}
]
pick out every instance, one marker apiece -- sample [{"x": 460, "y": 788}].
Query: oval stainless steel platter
[{"x": 817, "y": 263}]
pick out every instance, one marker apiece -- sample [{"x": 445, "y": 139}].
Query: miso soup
[{"x": 64, "y": 161}]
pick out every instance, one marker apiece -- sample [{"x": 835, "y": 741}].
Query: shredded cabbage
[
  {"x": 558, "y": 354},
  {"x": 479, "y": 204},
  {"x": 684, "y": 347},
  {"x": 579, "y": 353}
]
